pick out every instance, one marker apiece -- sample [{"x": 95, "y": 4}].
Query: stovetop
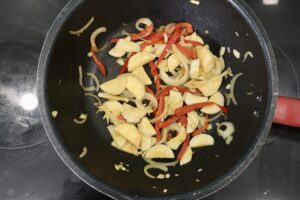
[{"x": 30, "y": 168}]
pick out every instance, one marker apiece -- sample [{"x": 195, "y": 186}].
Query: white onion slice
[
  {"x": 145, "y": 21},
  {"x": 81, "y": 30},
  {"x": 97, "y": 32}
]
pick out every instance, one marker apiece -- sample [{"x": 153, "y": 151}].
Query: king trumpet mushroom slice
[
  {"x": 129, "y": 132},
  {"x": 146, "y": 143},
  {"x": 128, "y": 148},
  {"x": 146, "y": 128},
  {"x": 193, "y": 99},
  {"x": 140, "y": 59},
  {"x": 112, "y": 106},
  {"x": 217, "y": 98},
  {"x": 132, "y": 114},
  {"x": 202, "y": 140},
  {"x": 140, "y": 74},
  {"x": 159, "y": 151},
  {"x": 115, "y": 86},
  {"x": 135, "y": 86},
  {"x": 118, "y": 139}
]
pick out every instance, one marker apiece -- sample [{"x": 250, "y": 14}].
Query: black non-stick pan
[{"x": 217, "y": 21}]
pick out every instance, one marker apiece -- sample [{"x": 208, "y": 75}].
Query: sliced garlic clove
[
  {"x": 135, "y": 86},
  {"x": 140, "y": 59},
  {"x": 146, "y": 128},
  {"x": 132, "y": 114},
  {"x": 192, "y": 99},
  {"x": 175, "y": 142},
  {"x": 202, "y": 140},
  {"x": 159, "y": 151},
  {"x": 129, "y": 132},
  {"x": 117, "y": 139},
  {"x": 140, "y": 74},
  {"x": 187, "y": 156},
  {"x": 115, "y": 86},
  {"x": 193, "y": 121},
  {"x": 217, "y": 98}
]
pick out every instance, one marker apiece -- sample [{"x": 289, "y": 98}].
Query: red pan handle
[{"x": 287, "y": 111}]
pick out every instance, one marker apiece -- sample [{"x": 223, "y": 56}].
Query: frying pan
[{"x": 58, "y": 89}]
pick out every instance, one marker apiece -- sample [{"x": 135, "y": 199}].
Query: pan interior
[{"x": 222, "y": 19}]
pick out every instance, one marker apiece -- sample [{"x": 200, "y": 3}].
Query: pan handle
[{"x": 287, "y": 111}]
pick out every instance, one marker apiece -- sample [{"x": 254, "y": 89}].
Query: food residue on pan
[
  {"x": 236, "y": 54},
  {"x": 248, "y": 54},
  {"x": 54, "y": 113},
  {"x": 81, "y": 120},
  {"x": 237, "y": 34},
  {"x": 196, "y": 2},
  {"x": 165, "y": 190},
  {"x": 121, "y": 167},
  {"x": 200, "y": 170},
  {"x": 83, "y": 153}
]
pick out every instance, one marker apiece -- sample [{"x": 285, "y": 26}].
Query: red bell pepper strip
[
  {"x": 166, "y": 90},
  {"x": 186, "y": 25},
  {"x": 184, "y": 147},
  {"x": 155, "y": 37},
  {"x": 124, "y": 67},
  {"x": 137, "y": 36},
  {"x": 161, "y": 106},
  {"x": 144, "y": 33},
  {"x": 169, "y": 121},
  {"x": 115, "y": 40},
  {"x": 186, "y": 109},
  {"x": 120, "y": 117},
  {"x": 194, "y": 43},
  {"x": 150, "y": 91},
  {"x": 202, "y": 129},
  {"x": 189, "y": 53},
  {"x": 154, "y": 73},
  {"x": 183, "y": 121},
  {"x": 158, "y": 133},
  {"x": 173, "y": 39},
  {"x": 100, "y": 65}
]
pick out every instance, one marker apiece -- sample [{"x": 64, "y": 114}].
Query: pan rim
[{"x": 198, "y": 193}]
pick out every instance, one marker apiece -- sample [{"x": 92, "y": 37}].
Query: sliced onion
[
  {"x": 82, "y": 119},
  {"x": 83, "y": 153},
  {"x": 81, "y": 30},
  {"x": 93, "y": 38},
  {"x": 156, "y": 166},
  {"x": 168, "y": 164},
  {"x": 152, "y": 99},
  {"x": 145, "y": 21},
  {"x": 215, "y": 117},
  {"x": 95, "y": 79},
  {"x": 233, "y": 81},
  {"x": 86, "y": 89},
  {"x": 175, "y": 81},
  {"x": 98, "y": 103},
  {"x": 170, "y": 28}
]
